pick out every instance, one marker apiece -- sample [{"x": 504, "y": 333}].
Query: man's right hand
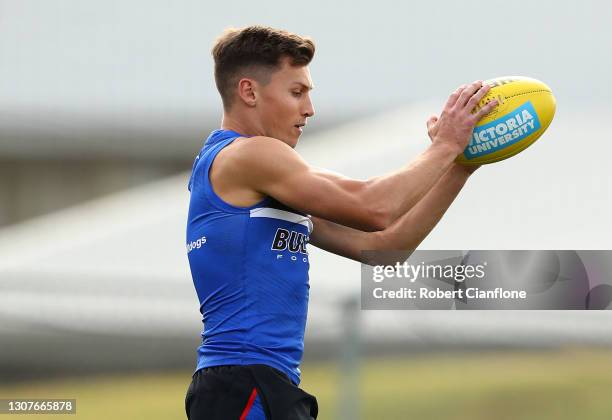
[{"x": 457, "y": 121}]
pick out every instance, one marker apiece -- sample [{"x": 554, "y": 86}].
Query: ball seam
[{"x": 527, "y": 93}]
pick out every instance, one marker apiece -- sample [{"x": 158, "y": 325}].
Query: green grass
[{"x": 570, "y": 384}]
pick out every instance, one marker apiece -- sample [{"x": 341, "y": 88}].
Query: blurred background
[{"x": 104, "y": 105}]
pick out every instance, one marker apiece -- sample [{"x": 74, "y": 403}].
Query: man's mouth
[{"x": 299, "y": 126}]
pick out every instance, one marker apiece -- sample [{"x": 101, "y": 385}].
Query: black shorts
[{"x": 229, "y": 392}]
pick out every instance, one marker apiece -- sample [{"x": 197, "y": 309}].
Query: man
[{"x": 255, "y": 204}]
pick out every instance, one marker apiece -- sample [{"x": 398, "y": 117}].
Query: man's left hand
[{"x": 431, "y": 131}]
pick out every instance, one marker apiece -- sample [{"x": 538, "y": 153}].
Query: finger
[
  {"x": 431, "y": 122},
  {"x": 475, "y": 99},
  {"x": 452, "y": 99},
  {"x": 486, "y": 109},
  {"x": 467, "y": 93}
]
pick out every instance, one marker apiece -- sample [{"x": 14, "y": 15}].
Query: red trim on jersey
[{"x": 249, "y": 404}]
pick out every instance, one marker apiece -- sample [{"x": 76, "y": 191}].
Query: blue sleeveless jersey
[{"x": 250, "y": 271}]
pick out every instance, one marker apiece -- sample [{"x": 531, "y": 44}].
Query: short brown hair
[{"x": 247, "y": 51}]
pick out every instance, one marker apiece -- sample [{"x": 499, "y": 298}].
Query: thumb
[{"x": 431, "y": 122}]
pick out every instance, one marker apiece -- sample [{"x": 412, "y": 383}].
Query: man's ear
[{"x": 247, "y": 91}]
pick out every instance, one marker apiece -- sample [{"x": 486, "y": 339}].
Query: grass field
[{"x": 570, "y": 384}]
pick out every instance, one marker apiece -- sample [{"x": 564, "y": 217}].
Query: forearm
[
  {"x": 409, "y": 230},
  {"x": 452, "y": 131},
  {"x": 401, "y": 190},
  {"x": 405, "y": 234}
]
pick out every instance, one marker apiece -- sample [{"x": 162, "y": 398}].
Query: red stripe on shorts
[{"x": 249, "y": 404}]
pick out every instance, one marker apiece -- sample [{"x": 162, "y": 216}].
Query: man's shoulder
[
  {"x": 247, "y": 152},
  {"x": 254, "y": 143},
  {"x": 250, "y": 162}
]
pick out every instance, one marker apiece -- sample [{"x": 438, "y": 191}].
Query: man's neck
[{"x": 240, "y": 125}]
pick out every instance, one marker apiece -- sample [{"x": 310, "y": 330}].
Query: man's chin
[
  {"x": 295, "y": 141},
  {"x": 292, "y": 138}
]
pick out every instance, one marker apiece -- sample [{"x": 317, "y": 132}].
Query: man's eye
[{"x": 297, "y": 94}]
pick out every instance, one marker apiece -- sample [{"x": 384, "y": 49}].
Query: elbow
[
  {"x": 388, "y": 247},
  {"x": 379, "y": 219},
  {"x": 382, "y": 252},
  {"x": 379, "y": 215}
]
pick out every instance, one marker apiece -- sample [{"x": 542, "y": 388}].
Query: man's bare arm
[
  {"x": 405, "y": 234},
  {"x": 448, "y": 129},
  {"x": 272, "y": 168}
]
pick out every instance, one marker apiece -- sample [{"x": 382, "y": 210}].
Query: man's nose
[{"x": 309, "y": 109}]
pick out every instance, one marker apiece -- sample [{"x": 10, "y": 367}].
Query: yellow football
[{"x": 525, "y": 109}]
